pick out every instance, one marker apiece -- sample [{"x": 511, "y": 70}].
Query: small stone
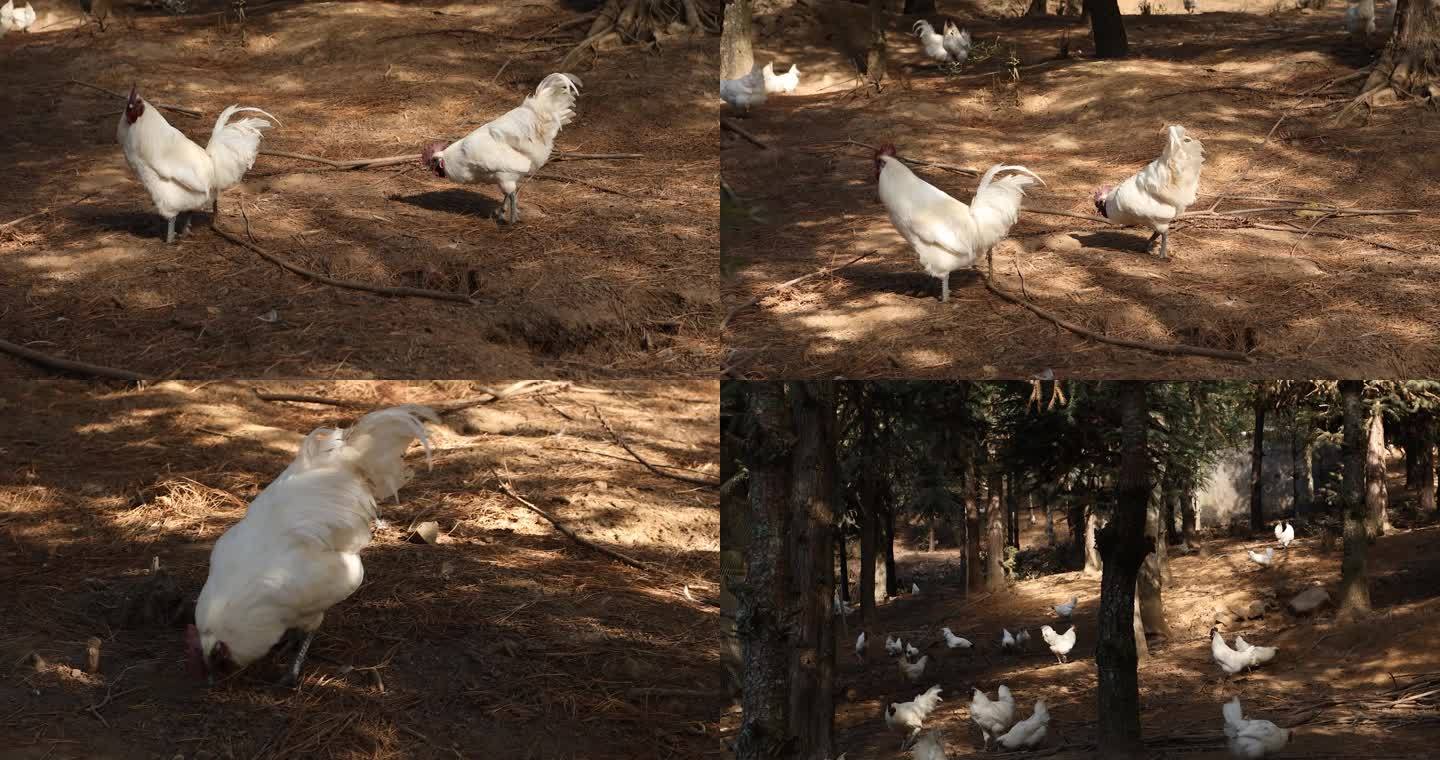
[
  {"x": 1309, "y": 600},
  {"x": 1061, "y": 242},
  {"x": 426, "y": 533}
]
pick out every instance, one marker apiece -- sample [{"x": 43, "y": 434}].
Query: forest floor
[
  {"x": 1315, "y": 684},
  {"x": 1311, "y": 299},
  {"x": 610, "y": 272},
  {"x": 503, "y": 639}
]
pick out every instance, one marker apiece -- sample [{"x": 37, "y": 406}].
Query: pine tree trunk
[
  {"x": 930, "y": 543},
  {"x": 1410, "y": 65},
  {"x": 1377, "y": 495},
  {"x": 1152, "y": 575},
  {"x": 765, "y": 727},
  {"x": 1049, "y": 497},
  {"x": 1107, "y": 28},
  {"x": 994, "y": 533},
  {"x": 883, "y": 584},
  {"x": 875, "y": 59},
  {"x": 1302, "y": 479},
  {"x": 1012, "y": 513},
  {"x": 1257, "y": 464},
  {"x": 844, "y": 565},
  {"x": 972, "y": 525},
  {"x": 812, "y": 516},
  {"x": 1354, "y": 582},
  {"x": 1123, "y": 547},
  {"x": 1093, "y": 561},
  {"x": 737, "y": 56},
  {"x": 1188, "y": 516},
  {"x": 867, "y": 547},
  {"x": 891, "y": 577},
  {"x": 1426, "y": 485},
  {"x": 1037, "y": 8}
]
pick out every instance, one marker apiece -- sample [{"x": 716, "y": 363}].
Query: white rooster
[
  {"x": 782, "y": 83},
  {"x": 746, "y": 92},
  {"x": 1157, "y": 194},
  {"x": 295, "y": 554},
  {"x": 512, "y": 147},
  {"x": 957, "y": 43},
  {"x": 931, "y": 41},
  {"x": 994, "y": 717},
  {"x": 1028, "y": 733},
  {"x": 1251, "y": 739},
  {"x": 180, "y": 176},
  {"x": 1262, "y": 560},
  {"x": 1284, "y": 534},
  {"x": 909, "y": 717},
  {"x": 1360, "y": 19},
  {"x": 945, "y": 233},
  {"x": 1060, "y": 643}
]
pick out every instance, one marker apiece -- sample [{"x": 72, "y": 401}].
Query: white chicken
[
  {"x": 1157, "y": 194},
  {"x": 781, "y": 83},
  {"x": 946, "y": 234},
  {"x": 1360, "y": 19},
  {"x": 1007, "y": 640},
  {"x": 911, "y": 651},
  {"x": 930, "y": 41},
  {"x": 1028, "y": 733},
  {"x": 1263, "y": 560},
  {"x": 1284, "y": 534},
  {"x": 909, "y": 717},
  {"x": 914, "y": 589},
  {"x": 1021, "y": 639},
  {"x": 1060, "y": 643},
  {"x": 179, "y": 175},
  {"x": 512, "y": 147},
  {"x": 1258, "y": 655},
  {"x": 930, "y": 746},
  {"x": 296, "y": 552},
  {"x": 955, "y": 642},
  {"x": 1251, "y": 739},
  {"x": 1067, "y": 609},
  {"x": 893, "y": 647},
  {"x": 957, "y": 43},
  {"x": 1243, "y": 657},
  {"x": 746, "y": 92},
  {"x": 913, "y": 671},
  {"x": 19, "y": 19},
  {"x": 994, "y": 717},
  {"x": 860, "y": 647}
]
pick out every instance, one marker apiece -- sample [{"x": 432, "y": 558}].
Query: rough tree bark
[
  {"x": 994, "y": 533},
  {"x": 868, "y": 519},
  {"x": 1354, "y": 582},
  {"x": 1012, "y": 513},
  {"x": 1187, "y": 515},
  {"x": 1107, "y": 28},
  {"x": 1093, "y": 560},
  {"x": 1410, "y": 65},
  {"x": 875, "y": 59},
  {"x": 1377, "y": 494},
  {"x": 810, "y": 547},
  {"x": 972, "y": 523},
  {"x": 642, "y": 20},
  {"x": 1152, "y": 575},
  {"x": 760, "y": 619},
  {"x": 1049, "y": 496},
  {"x": 844, "y": 554},
  {"x": 1257, "y": 462},
  {"x": 919, "y": 7},
  {"x": 1302, "y": 478},
  {"x": 1426, "y": 467},
  {"x": 891, "y": 577},
  {"x": 737, "y": 55},
  {"x": 734, "y": 543},
  {"x": 1123, "y": 547}
]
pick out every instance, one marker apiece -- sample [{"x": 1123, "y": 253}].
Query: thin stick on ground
[
  {"x": 920, "y": 161},
  {"x": 1160, "y": 348},
  {"x": 514, "y": 390},
  {"x": 352, "y": 164},
  {"x": 570, "y": 534},
  {"x": 786, "y": 284},
  {"x": 383, "y": 290},
  {"x": 177, "y": 109},
  {"x": 71, "y": 366},
  {"x": 47, "y": 210},
  {"x": 682, "y": 478},
  {"x": 300, "y": 398},
  {"x": 733, "y": 127}
]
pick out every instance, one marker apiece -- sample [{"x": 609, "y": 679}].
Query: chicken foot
[
  {"x": 1164, "y": 238},
  {"x": 945, "y": 288},
  {"x": 292, "y": 675}
]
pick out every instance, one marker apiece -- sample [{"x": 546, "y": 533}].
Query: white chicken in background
[
  {"x": 1021, "y": 639},
  {"x": 893, "y": 647},
  {"x": 1258, "y": 655},
  {"x": 1007, "y": 641},
  {"x": 746, "y": 92},
  {"x": 945, "y": 233},
  {"x": 994, "y": 717},
  {"x": 180, "y": 176},
  {"x": 18, "y": 19},
  {"x": 1067, "y": 609},
  {"x": 1284, "y": 534},
  {"x": 913, "y": 671},
  {"x": 1243, "y": 657},
  {"x": 930, "y": 746},
  {"x": 914, "y": 589},
  {"x": 860, "y": 647},
  {"x": 512, "y": 147},
  {"x": 1263, "y": 560},
  {"x": 1251, "y": 739},
  {"x": 931, "y": 42},
  {"x": 1060, "y": 643},
  {"x": 957, "y": 43},
  {"x": 1157, "y": 194},
  {"x": 1360, "y": 20},
  {"x": 955, "y": 642},
  {"x": 1028, "y": 733},
  {"x": 296, "y": 552},
  {"x": 911, "y": 651},
  {"x": 909, "y": 717},
  {"x": 781, "y": 83}
]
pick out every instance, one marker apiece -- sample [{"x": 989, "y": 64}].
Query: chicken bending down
[
  {"x": 1263, "y": 560},
  {"x": 296, "y": 553},
  {"x": 1060, "y": 643},
  {"x": 782, "y": 83},
  {"x": 913, "y": 672},
  {"x": 945, "y": 233},
  {"x": 746, "y": 92},
  {"x": 909, "y": 717},
  {"x": 994, "y": 717},
  {"x": 180, "y": 176},
  {"x": 512, "y": 147},
  {"x": 1028, "y": 733},
  {"x": 1251, "y": 739},
  {"x": 930, "y": 746},
  {"x": 955, "y": 642},
  {"x": 1158, "y": 194},
  {"x": 1243, "y": 657}
]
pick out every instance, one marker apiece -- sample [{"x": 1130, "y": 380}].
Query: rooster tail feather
[
  {"x": 233, "y": 146},
  {"x": 376, "y": 445},
  {"x": 556, "y": 95}
]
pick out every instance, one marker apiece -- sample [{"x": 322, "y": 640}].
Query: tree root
[
  {"x": 641, "y": 21},
  {"x": 70, "y": 366}
]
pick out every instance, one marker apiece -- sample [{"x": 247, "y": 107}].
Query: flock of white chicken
[
  {"x": 182, "y": 178},
  {"x": 996, "y": 719}
]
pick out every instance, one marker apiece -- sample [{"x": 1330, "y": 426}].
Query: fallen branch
[
  {"x": 46, "y": 210},
  {"x": 611, "y": 553},
  {"x": 358, "y": 163},
  {"x": 1323, "y": 233},
  {"x": 786, "y": 284},
  {"x": 177, "y": 109},
  {"x": 70, "y": 366},
  {"x": 733, "y": 127},
  {"x": 514, "y": 390},
  {"x": 920, "y": 162},
  {"x": 384, "y": 290},
  {"x": 586, "y": 183},
  {"x": 300, "y": 398},
  {"x": 1160, "y": 348},
  {"x": 1071, "y": 214},
  {"x": 1323, "y": 210},
  {"x": 708, "y": 483}
]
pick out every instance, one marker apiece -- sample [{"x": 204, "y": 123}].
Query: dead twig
[
  {"x": 514, "y": 390},
  {"x": 47, "y": 210},
  {"x": 177, "y": 109},
  {"x": 300, "y": 398},
  {"x": 69, "y": 365},
  {"x": 586, "y": 183},
  {"x": 786, "y": 284},
  {"x": 358, "y": 163},
  {"x": 383, "y": 290},
  {"x": 919, "y": 161},
  {"x": 733, "y": 127},
  {"x": 1071, "y": 214},
  {"x": 508, "y": 491},
  {"x": 682, "y": 478},
  {"x": 1160, "y": 348}
]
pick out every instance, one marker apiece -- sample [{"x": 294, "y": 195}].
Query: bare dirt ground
[
  {"x": 504, "y": 639},
  {"x": 611, "y": 272},
  {"x": 1303, "y": 305},
  {"x": 1322, "y": 671}
]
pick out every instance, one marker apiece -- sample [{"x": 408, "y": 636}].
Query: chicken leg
[
  {"x": 514, "y": 200},
  {"x": 1165, "y": 245},
  {"x": 170, "y": 230},
  {"x": 292, "y": 676},
  {"x": 945, "y": 288}
]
